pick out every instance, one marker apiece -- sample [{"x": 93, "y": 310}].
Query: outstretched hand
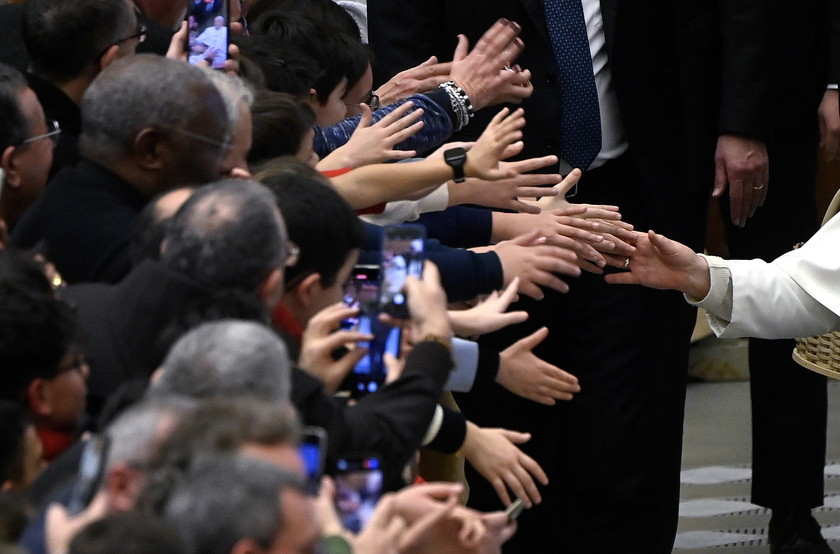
[
  {"x": 526, "y": 375},
  {"x": 661, "y": 263},
  {"x": 483, "y": 159},
  {"x": 490, "y": 315},
  {"x": 415, "y": 80}
]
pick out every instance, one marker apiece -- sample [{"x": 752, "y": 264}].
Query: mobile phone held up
[
  {"x": 358, "y": 487},
  {"x": 90, "y": 474},
  {"x": 313, "y": 450},
  {"x": 402, "y": 255},
  {"x": 208, "y": 23},
  {"x": 362, "y": 291}
]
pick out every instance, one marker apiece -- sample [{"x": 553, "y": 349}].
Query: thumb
[
  {"x": 367, "y": 116},
  {"x": 720, "y": 178},
  {"x": 515, "y": 436},
  {"x": 568, "y": 182},
  {"x": 462, "y": 48},
  {"x": 532, "y": 340}
]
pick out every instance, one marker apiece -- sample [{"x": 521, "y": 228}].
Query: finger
[
  {"x": 414, "y": 534},
  {"x": 405, "y": 120},
  {"x": 511, "y": 150},
  {"x": 533, "y": 468},
  {"x": 531, "y": 164},
  {"x": 532, "y": 340},
  {"x": 400, "y": 136},
  {"x": 570, "y": 181},
  {"x": 461, "y": 49},
  {"x": 527, "y": 487},
  {"x": 396, "y": 115},
  {"x": 509, "y": 294},
  {"x": 501, "y": 490},
  {"x": 515, "y": 436},
  {"x": 366, "y": 116}
]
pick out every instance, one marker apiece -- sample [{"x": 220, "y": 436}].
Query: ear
[
  {"x": 156, "y": 374},
  {"x": 109, "y": 57},
  {"x": 313, "y": 99},
  {"x": 38, "y": 398},
  {"x": 9, "y": 162},
  {"x": 304, "y": 292},
  {"x": 122, "y": 483},
  {"x": 148, "y": 148},
  {"x": 271, "y": 289}
]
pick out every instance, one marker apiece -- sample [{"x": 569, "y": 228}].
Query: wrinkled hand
[
  {"x": 494, "y": 454},
  {"x": 662, "y": 263},
  {"x": 416, "y": 80},
  {"x": 526, "y": 375},
  {"x": 490, "y": 315},
  {"x": 483, "y": 158},
  {"x": 535, "y": 263},
  {"x": 829, "y": 114},
  {"x": 373, "y": 144},
  {"x": 743, "y": 165},
  {"x": 485, "y": 73},
  {"x": 320, "y": 340}
]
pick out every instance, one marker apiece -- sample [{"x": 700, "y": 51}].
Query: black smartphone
[
  {"x": 208, "y": 24},
  {"x": 358, "y": 487},
  {"x": 402, "y": 255},
  {"x": 313, "y": 450},
  {"x": 362, "y": 291},
  {"x": 90, "y": 473}
]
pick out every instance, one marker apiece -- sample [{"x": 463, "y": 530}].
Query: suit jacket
[
  {"x": 85, "y": 219},
  {"x": 665, "y": 60}
]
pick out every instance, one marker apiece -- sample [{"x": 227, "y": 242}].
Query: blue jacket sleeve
[
  {"x": 459, "y": 226},
  {"x": 464, "y": 274},
  {"x": 437, "y": 128}
]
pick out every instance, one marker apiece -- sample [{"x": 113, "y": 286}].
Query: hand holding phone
[
  {"x": 208, "y": 23},
  {"x": 313, "y": 450},
  {"x": 358, "y": 486}
]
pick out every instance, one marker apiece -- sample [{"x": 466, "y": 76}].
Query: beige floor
[{"x": 716, "y": 515}]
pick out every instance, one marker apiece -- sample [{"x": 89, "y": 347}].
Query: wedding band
[
  {"x": 626, "y": 263},
  {"x": 759, "y": 188}
]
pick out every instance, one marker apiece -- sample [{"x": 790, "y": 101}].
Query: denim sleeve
[{"x": 437, "y": 129}]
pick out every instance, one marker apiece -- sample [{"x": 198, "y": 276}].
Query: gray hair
[
  {"x": 139, "y": 92},
  {"x": 226, "y": 499},
  {"x": 227, "y": 358},
  {"x": 229, "y": 234},
  {"x": 136, "y": 433},
  {"x": 233, "y": 90}
]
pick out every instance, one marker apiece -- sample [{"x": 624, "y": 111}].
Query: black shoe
[{"x": 796, "y": 532}]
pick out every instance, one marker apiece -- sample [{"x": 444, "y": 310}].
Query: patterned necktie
[{"x": 580, "y": 126}]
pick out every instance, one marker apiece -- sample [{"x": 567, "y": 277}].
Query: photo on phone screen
[
  {"x": 402, "y": 255},
  {"x": 358, "y": 487},
  {"x": 207, "y": 39},
  {"x": 362, "y": 288},
  {"x": 313, "y": 450}
]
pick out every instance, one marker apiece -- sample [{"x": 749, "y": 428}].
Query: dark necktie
[{"x": 580, "y": 126}]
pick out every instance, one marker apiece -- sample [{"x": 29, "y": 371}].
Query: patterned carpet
[{"x": 715, "y": 510}]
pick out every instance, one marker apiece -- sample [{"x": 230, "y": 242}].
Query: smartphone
[
  {"x": 90, "y": 474},
  {"x": 362, "y": 291},
  {"x": 516, "y": 507},
  {"x": 313, "y": 450},
  {"x": 362, "y": 288},
  {"x": 402, "y": 255},
  {"x": 358, "y": 487},
  {"x": 208, "y": 22}
]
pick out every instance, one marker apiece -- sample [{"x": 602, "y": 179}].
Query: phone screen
[
  {"x": 358, "y": 486},
  {"x": 362, "y": 291},
  {"x": 402, "y": 255},
  {"x": 313, "y": 450},
  {"x": 208, "y": 22}
]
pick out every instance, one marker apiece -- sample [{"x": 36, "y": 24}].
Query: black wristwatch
[{"x": 456, "y": 157}]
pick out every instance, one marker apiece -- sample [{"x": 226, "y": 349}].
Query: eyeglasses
[
  {"x": 293, "y": 254},
  {"x": 372, "y": 100},
  {"x": 140, "y": 35},
  {"x": 207, "y": 140},
  {"x": 53, "y": 130}
]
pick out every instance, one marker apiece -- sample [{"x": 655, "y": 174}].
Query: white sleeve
[
  {"x": 465, "y": 356},
  {"x": 409, "y": 210}
]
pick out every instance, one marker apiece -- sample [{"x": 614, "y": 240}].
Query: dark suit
[
  {"x": 612, "y": 453},
  {"x": 85, "y": 218},
  {"x": 789, "y": 404}
]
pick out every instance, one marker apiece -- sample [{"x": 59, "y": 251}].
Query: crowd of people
[{"x": 186, "y": 192}]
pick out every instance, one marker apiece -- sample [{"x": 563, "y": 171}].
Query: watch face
[{"x": 455, "y": 155}]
